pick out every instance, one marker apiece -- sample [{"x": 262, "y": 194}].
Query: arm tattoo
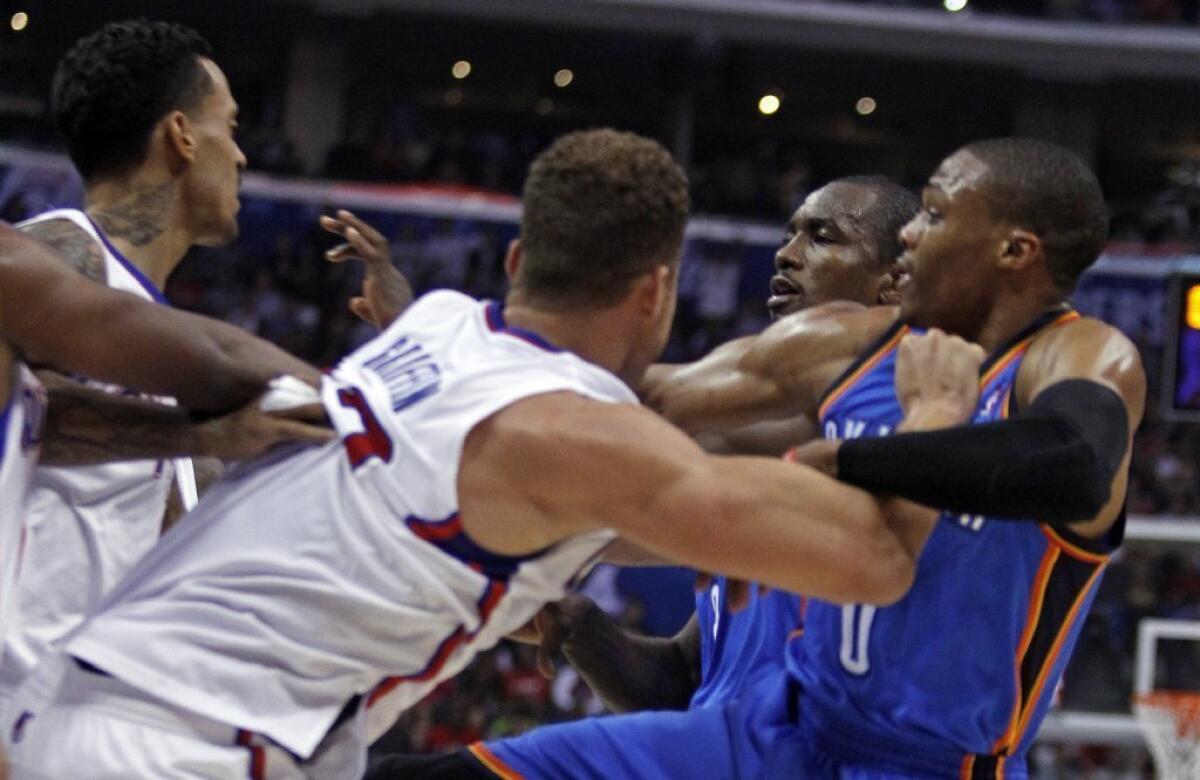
[
  {"x": 138, "y": 217},
  {"x": 86, "y": 426},
  {"x": 73, "y": 244}
]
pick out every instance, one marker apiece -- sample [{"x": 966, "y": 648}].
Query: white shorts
[{"x": 66, "y": 721}]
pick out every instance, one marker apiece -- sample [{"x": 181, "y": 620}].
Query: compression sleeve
[{"x": 1052, "y": 463}]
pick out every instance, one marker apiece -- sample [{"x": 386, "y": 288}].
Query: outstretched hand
[{"x": 386, "y": 293}]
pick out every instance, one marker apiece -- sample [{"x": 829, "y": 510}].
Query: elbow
[
  {"x": 1084, "y": 495},
  {"x": 891, "y": 576}
]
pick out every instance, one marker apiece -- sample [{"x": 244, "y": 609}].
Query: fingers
[
  {"x": 356, "y": 246},
  {"x": 704, "y": 581},
  {"x": 294, "y": 430},
  {"x": 314, "y": 412},
  {"x": 365, "y": 229},
  {"x": 362, "y": 240}
]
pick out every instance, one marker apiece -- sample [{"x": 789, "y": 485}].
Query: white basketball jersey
[
  {"x": 319, "y": 576},
  {"x": 87, "y": 525},
  {"x": 20, "y": 437}
]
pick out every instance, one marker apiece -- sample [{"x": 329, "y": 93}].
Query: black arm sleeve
[{"x": 1052, "y": 463}]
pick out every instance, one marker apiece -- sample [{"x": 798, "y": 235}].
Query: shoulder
[
  {"x": 1086, "y": 348},
  {"x": 816, "y": 336},
  {"x": 1086, "y": 342},
  {"x": 72, "y": 243}
]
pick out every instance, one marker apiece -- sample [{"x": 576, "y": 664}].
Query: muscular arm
[
  {"x": 776, "y": 375},
  {"x": 53, "y": 317},
  {"x": 556, "y": 465},
  {"x": 1063, "y": 458}
]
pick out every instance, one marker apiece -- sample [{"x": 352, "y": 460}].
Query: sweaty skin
[{"x": 970, "y": 274}]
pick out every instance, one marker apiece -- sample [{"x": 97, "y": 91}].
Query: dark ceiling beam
[{"x": 1070, "y": 51}]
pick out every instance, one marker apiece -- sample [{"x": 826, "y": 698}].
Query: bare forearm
[
  {"x": 630, "y": 672},
  {"x": 777, "y": 523},
  {"x": 232, "y": 366}
]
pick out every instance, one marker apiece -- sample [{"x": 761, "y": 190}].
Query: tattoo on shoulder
[
  {"x": 138, "y": 217},
  {"x": 74, "y": 245}
]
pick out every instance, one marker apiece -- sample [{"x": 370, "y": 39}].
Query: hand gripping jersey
[
  {"x": 316, "y": 577},
  {"x": 87, "y": 525},
  {"x": 20, "y": 437},
  {"x": 954, "y": 679},
  {"x": 737, "y": 648}
]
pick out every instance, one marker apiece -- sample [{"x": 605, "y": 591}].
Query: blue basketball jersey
[
  {"x": 737, "y": 648},
  {"x": 956, "y": 677}
]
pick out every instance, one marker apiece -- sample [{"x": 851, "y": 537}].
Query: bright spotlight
[
  {"x": 461, "y": 69},
  {"x": 19, "y": 21},
  {"x": 768, "y": 104},
  {"x": 563, "y": 78},
  {"x": 865, "y": 106},
  {"x": 954, "y": 6}
]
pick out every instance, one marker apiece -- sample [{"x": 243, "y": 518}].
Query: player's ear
[
  {"x": 656, "y": 289},
  {"x": 179, "y": 137},
  {"x": 512, "y": 259},
  {"x": 1020, "y": 249}
]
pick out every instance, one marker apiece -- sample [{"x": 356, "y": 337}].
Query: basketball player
[
  {"x": 148, "y": 120},
  {"x": 841, "y": 244},
  {"x": 50, "y": 316},
  {"x": 488, "y": 453},
  {"x": 954, "y": 679}
]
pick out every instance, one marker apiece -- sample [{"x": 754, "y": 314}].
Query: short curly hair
[
  {"x": 114, "y": 85},
  {"x": 1048, "y": 189},
  {"x": 600, "y": 207}
]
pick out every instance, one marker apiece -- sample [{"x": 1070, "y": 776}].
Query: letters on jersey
[
  {"x": 955, "y": 678},
  {"x": 320, "y": 580}
]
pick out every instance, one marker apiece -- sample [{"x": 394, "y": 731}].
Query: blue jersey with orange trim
[
  {"x": 956, "y": 677},
  {"x": 738, "y": 648}
]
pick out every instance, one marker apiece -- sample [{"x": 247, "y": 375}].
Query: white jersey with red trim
[
  {"x": 21, "y": 421},
  {"x": 87, "y": 525},
  {"x": 316, "y": 577}
]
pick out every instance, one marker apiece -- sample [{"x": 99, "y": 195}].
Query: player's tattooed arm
[
  {"x": 73, "y": 244},
  {"x": 628, "y": 671},
  {"x": 87, "y": 426}
]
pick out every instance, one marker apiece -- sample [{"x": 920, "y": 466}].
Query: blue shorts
[
  {"x": 757, "y": 736},
  {"x": 740, "y": 739}
]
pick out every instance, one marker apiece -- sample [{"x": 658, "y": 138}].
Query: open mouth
[{"x": 786, "y": 295}]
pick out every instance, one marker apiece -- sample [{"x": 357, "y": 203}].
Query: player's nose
[{"x": 787, "y": 259}]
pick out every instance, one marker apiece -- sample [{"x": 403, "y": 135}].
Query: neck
[
  {"x": 139, "y": 215},
  {"x": 592, "y": 334},
  {"x": 1008, "y": 316}
]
